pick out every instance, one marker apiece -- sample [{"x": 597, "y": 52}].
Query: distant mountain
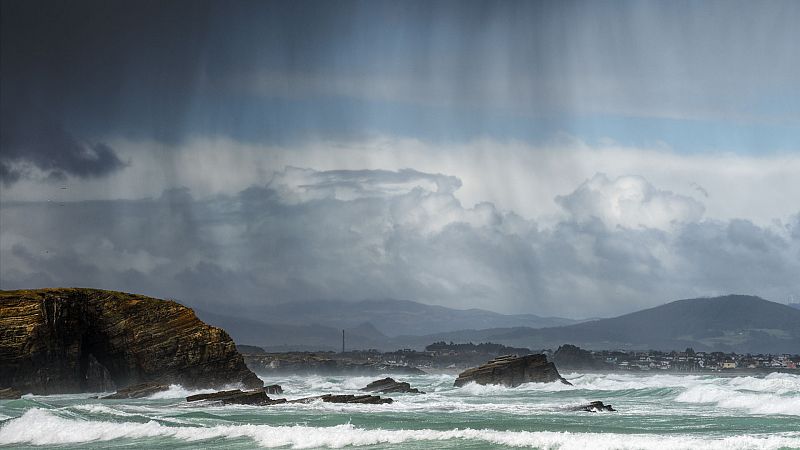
[
  {"x": 731, "y": 323},
  {"x": 794, "y": 305},
  {"x": 276, "y": 337},
  {"x": 398, "y": 317}
]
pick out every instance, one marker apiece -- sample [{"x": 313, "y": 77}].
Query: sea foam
[{"x": 42, "y": 427}]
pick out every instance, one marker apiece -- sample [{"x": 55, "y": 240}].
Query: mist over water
[{"x": 654, "y": 411}]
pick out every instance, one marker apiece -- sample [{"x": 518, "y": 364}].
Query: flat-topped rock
[
  {"x": 389, "y": 385},
  {"x": 137, "y": 391},
  {"x": 57, "y": 341},
  {"x": 511, "y": 371},
  {"x": 237, "y": 397}
]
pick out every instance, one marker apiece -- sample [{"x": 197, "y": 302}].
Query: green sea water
[{"x": 654, "y": 411}]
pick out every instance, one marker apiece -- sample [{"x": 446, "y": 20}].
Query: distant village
[
  {"x": 691, "y": 361},
  {"x": 442, "y": 355},
  {"x": 452, "y": 356}
]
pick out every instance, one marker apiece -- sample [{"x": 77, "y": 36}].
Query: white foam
[
  {"x": 725, "y": 397},
  {"x": 178, "y": 391},
  {"x": 41, "y": 427},
  {"x": 102, "y": 409}
]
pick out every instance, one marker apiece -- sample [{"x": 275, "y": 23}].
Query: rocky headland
[
  {"x": 56, "y": 341},
  {"x": 512, "y": 371}
]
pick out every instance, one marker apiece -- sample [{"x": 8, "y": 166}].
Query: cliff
[
  {"x": 512, "y": 371},
  {"x": 82, "y": 340}
]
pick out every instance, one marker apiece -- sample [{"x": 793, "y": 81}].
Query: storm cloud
[{"x": 375, "y": 234}]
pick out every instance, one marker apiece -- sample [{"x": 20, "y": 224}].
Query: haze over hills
[
  {"x": 399, "y": 317},
  {"x": 317, "y": 325},
  {"x": 730, "y": 323}
]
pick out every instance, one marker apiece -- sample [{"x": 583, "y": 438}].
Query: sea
[{"x": 659, "y": 411}]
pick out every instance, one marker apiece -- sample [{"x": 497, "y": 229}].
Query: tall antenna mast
[{"x": 342, "y": 341}]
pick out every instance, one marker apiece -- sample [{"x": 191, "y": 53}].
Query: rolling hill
[
  {"x": 398, "y": 317},
  {"x": 739, "y": 323}
]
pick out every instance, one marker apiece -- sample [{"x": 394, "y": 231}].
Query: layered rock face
[
  {"x": 512, "y": 371},
  {"x": 82, "y": 340}
]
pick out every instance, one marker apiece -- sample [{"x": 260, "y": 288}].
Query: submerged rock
[
  {"x": 596, "y": 406},
  {"x": 137, "y": 391},
  {"x": 511, "y": 371},
  {"x": 389, "y": 385},
  {"x": 10, "y": 394},
  {"x": 86, "y": 340}
]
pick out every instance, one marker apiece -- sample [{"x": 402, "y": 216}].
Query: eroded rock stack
[
  {"x": 511, "y": 371},
  {"x": 82, "y": 340}
]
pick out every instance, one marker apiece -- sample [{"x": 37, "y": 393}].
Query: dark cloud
[
  {"x": 32, "y": 141},
  {"x": 402, "y": 236}
]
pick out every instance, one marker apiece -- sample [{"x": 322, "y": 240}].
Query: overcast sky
[{"x": 558, "y": 158}]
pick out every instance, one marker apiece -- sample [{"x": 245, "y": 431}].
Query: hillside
[
  {"x": 288, "y": 337},
  {"x": 730, "y": 323},
  {"x": 398, "y": 317}
]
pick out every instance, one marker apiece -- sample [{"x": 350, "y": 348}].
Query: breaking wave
[{"x": 41, "y": 427}]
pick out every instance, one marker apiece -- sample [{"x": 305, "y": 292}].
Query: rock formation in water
[
  {"x": 389, "y": 385},
  {"x": 259, "y": 397},
  {"x": 237, "y": 397},
  {"x": 511, "y": 371},
  {"x": 83, "y": 340},
  {"x": 137, "y": 391},
  {"x": 596, "y": 406}
]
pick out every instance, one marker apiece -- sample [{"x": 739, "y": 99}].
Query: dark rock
[
  {"x": 572, "y": 357},
  {"x": 137, "y": 391},
  {"x": 259, "y": 397},
  {"x": 596, "y": 406},
  {"x": 511, "y": 371},
  {"x": 9, "y": 394},
  {"x": 389, "y": 385},
  {"x": 79, "y": 340},
  {"x": 237, "y": 397},
  {"x": 273, "y": 389},
  {"x": 348, "y": 398}
]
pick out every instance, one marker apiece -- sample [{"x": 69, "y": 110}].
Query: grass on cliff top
[{"x": 72, "y": 292}]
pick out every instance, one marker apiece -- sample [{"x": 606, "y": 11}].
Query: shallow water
[{"x": 654, "y": 411}]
